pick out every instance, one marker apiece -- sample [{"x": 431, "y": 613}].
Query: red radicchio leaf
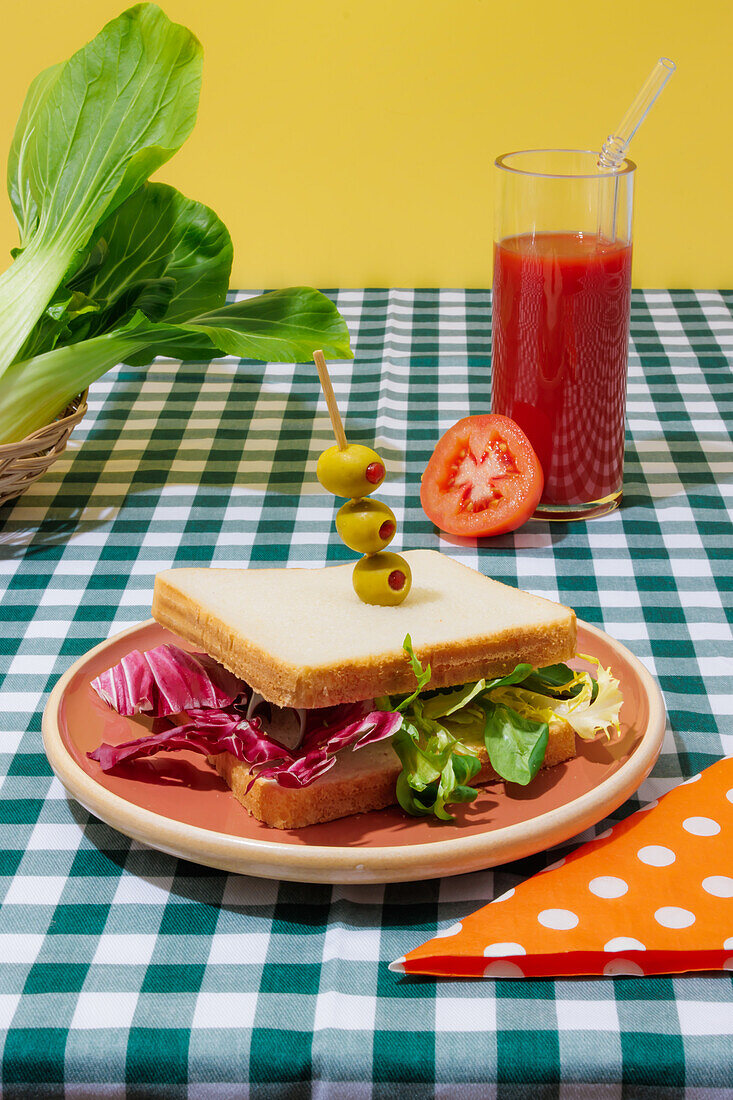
[
  {"x": 209, "y": 733},
  {"x": 166, "y": 680},
  {"x": 155, "y": 682},
  {"x": 317, "y": 752}
]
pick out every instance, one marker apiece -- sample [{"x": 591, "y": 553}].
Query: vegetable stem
[{"x": 25, "y": 290}]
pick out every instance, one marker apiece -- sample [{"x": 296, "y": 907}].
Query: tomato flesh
[{"x": 482, "y": 479}]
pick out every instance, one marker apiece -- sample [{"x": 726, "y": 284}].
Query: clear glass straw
[{"x": 616, "y": 144}]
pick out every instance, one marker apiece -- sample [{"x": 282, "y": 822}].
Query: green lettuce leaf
[
  {"x": 510, "y": 714},
  {"x": 436, "y": 768},
  {"x": 516, "y": 745},
  {"x": 422, "y": 675}
]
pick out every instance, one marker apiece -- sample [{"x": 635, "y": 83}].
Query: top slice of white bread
[{"x": 302, "y": 637}]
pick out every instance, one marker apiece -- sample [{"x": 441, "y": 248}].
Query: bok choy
[{"x": 111, "y": 268}]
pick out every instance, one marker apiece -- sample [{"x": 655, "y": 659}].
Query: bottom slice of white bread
[{"x": 360, "y": 780}]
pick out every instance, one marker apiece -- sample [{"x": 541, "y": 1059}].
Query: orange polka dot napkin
[{"x": 652, "y": 895}]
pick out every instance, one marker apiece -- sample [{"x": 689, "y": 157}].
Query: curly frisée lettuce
[{"x": 510, "y": 715}]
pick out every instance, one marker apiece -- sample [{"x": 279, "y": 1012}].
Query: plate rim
[{"x": 353, "y": 864}]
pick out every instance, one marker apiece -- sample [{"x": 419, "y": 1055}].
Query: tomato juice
[{"x": 560, "y": 325}]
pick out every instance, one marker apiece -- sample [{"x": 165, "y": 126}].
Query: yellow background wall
[{"x": 350, "y": 142}]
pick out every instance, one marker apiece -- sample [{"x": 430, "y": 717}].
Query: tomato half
[{"x": 483, "y": 478}]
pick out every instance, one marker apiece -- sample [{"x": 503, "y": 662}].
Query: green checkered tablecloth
[{"x": 124, "y": 971}]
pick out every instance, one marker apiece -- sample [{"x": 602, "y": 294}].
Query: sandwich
[{"x": 313, "y": 705}]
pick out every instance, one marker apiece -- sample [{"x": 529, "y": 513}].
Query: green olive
[
  {"x": 366, "y": 525},
  {"x": 383, "y": 578},
  {"x": 355, "y": 471}
]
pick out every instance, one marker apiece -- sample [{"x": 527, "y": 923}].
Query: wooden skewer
[{"x": 333, "y": 409}]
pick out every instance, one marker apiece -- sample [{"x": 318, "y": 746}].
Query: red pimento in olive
[{"x": 375, "y": 473}]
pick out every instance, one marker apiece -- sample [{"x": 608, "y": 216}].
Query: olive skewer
[{"x": 365, "y": 525}]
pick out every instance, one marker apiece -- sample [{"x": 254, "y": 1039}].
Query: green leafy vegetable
[
  {"x": 510, "y": 715},
  {"x": 90, "y": 133},
  {"x": 587, "y": 705},
  {"x": 516, "y": 745},
  {"x": 33, "y": 391},
  {"x": 111, "y": 268},
  {"x": 449, "y": 703},
  {"x": 422, "y": 675},
  {"x": 435, "y": 767},
  {"x": 158, "y": 252}
]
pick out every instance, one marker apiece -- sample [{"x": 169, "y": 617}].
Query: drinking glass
[{"x": 560, "y": 320}]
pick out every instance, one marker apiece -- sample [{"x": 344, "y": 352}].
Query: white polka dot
[
  {"x": 649, "y": 806},
  {"x": 656, "y": 855},
  {"x": 452, "y": 931},
  {"x": 621, "y": 967},
  {"x": 559, "y": 919},
  {"x": 504, "y": 897},
  {"x": 606, "y": 886},
  {"x": 728, "y": 945},
  {"x": 553, "y": 866},
  {"x": 672, "y": 916},
  {"x": 692, "y": 779},
  {"x": 497, "y": 950},
  {"x": 720, "y": 886},
  {"x": 701, "y": 826},
  {"x": 729, "y": 795},
  {"x": 624, "y": 943},
  {"x": 604, "y": 834},
  {"x": 502, "y": 969}
]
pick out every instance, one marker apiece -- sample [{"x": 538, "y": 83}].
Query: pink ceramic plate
[{"x": 178, "y": 804}]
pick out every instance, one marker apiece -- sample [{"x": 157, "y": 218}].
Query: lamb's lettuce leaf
[
  {"x": 516, "y": 745},
  {"x": 436, "y": 767}
]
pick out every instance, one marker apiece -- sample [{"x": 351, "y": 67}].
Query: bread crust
[
  {"x": 354, "y": 789},
  {"x": 309, "y": 680}
]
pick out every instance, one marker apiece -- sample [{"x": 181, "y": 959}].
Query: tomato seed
[{"x": 396, "y": 580}]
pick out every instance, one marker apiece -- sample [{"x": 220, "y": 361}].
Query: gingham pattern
[{"x": 126, "y": 972}]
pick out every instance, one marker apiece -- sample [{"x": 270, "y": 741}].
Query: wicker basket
[{"x": 23, "y": 463}]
